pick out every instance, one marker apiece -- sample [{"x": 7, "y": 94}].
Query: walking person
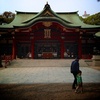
[
  {"x": 74, "y": 70},
  {"x": 79, "y": 82}
]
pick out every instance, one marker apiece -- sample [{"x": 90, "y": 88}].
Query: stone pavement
[{"x": 45, "y": 71}]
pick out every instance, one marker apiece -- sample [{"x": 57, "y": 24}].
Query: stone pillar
[{"x": 96, "y": 60}]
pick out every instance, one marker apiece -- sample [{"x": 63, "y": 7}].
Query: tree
[
  {"x": 7, "y": 14},
  {"x": 7, "y": 17},
  {"x": 93, "y": 19},
  {"x": 1, "y": 19}
]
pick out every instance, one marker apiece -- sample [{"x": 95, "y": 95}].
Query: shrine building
[{"x": 49, "y": 35}]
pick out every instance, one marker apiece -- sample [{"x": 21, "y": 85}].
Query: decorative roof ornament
[
  {"x": 47, "y": 23},
  {"x": 47, "y": 2},
  {"x": 47, "y": 5}
]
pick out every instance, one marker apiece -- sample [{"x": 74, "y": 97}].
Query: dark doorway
[
  {"x": 71, "y": 50},
  {"x": 23, "y": 49},
  {"x": 47, "y": 49}
]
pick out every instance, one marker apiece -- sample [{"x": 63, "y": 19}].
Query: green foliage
[
  {"x": 7, "y": 17},
  {"x": 93, "y": 19},
  {"x": 81, "y": 18},
  {"x": 8, "y": 20}
]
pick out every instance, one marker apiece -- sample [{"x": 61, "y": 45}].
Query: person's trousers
[{"x": 75, "y": 80}]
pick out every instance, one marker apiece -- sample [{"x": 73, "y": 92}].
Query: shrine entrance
[
  {"x": 71, "y": 50},
  {"x": 23, "y": 48},
  {"x": 47, "y": 49}
]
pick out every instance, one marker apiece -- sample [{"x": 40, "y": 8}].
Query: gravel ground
[{"x": 54, "y": 91}]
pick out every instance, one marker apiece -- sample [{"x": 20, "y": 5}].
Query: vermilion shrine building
[{"x": 48, "y": 34}]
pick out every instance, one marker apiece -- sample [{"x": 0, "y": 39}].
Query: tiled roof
[{"x": 68, "y": 19}]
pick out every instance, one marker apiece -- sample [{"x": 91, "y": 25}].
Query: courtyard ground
[
  {"x": 47, "y": 80},
  {"x": 55, "y": 91}
]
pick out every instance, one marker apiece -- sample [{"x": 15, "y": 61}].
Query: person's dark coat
[{"x": 75, "y": 66}]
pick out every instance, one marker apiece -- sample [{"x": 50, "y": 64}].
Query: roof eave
[{"x": 40, "y": 19}]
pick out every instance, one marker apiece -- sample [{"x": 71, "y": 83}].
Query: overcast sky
[{"x": 90, "y": 6}]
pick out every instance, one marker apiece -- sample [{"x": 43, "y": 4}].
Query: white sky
[{"x": 90, "y": 6}]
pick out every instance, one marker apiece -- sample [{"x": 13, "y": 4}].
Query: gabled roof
[
  {"x": 47, "y": 12},
  {"x": 68, "y": 19}
]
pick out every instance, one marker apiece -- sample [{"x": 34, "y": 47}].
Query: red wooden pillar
[
  {"x": 14, "y": 49},
  {"x": 80, "y": 47},
  {"x": 62, "y": 49},
  {"x": 32, "y": 48}
]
